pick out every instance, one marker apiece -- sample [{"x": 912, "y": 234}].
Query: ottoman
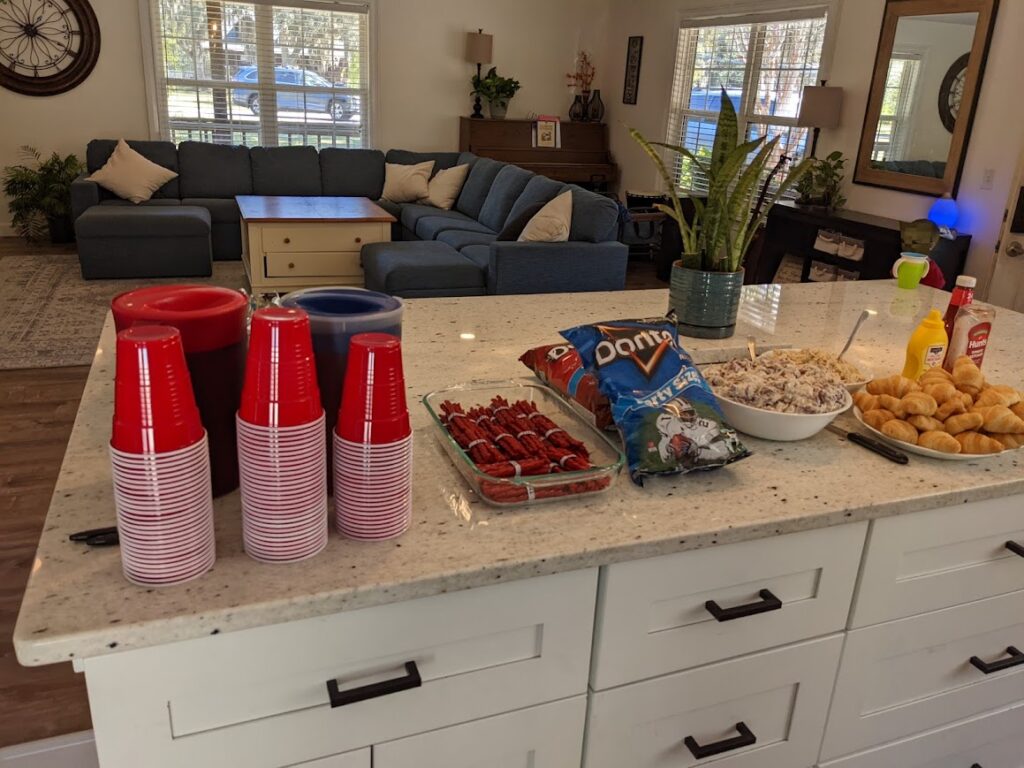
[
  {"x": 420, "y": 268},
  {"x": 144, "y": 241}
]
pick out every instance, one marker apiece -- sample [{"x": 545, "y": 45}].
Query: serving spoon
[{"x": 860, "y": 320}]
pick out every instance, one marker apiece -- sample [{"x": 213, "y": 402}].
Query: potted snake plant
[{"x": 708, "y": 277}]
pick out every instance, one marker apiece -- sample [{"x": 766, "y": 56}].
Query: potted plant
[
  {"x": 40, "y": 195},
  {"x": 708, "y": 278},
  {"x": 820, "y": 185},
  {"x": 496, "y": 90}
]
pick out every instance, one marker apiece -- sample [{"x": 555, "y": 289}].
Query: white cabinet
[
  {"x": 904, "y": 677},
  {"x": 260, "y": 697},
  {"x": 931, "y": 560},
  {"x": 545, "y": 736},
  {"x": 654, "y": 615},
  {"x": 764, "y": 711},
  {"x": 992, "y": 741},
  {"x": 361, "y": 758}
]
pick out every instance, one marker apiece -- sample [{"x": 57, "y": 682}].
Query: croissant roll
[
  {"x": 1010, "y": 395},
  {"x": 949, "y": 408},
  {"x": 936, "y": 372},
  {"x": 967, "y": 377},
  {"x": 877, "y": 417},
  {"x": 977, "y": 443},
  {"x": 967, "y": 399},
  {"x": 926, "y": 423},
  {"x": 865, "y": 402},
  {"x": 1001, "y": 419},
  {"x": 894, "y": 404},
  {"x": 939, "y": 441},
  {"x": 894, "y": 386},
  {"x": 1018, "y": 409},
  {"x": 993, "y": 396},
  {"x": 941, "y": 392},
  {"x": 1010, "y": 442},
  {"x": 963, "y": 422},
  {"x": 900, "y": 430},
  {"x": 919, "y": 403}
]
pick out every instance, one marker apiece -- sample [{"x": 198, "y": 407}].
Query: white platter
[{"x": 919, "y": 451}]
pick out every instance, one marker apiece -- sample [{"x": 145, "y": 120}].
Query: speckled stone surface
[{"x": 77, "y": 604}]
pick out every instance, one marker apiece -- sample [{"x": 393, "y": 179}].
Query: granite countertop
[{"x": 77, "y": 604}]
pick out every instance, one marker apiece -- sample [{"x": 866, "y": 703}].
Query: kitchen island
[{"x": 497, "y": 606}]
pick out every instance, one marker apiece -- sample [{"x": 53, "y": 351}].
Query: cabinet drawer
[
  {"x": 359, "y": 759},
  {"x": 545, "y": 736},
  {"x": 261, "y": 695},
  {"x": 904, "y": 677},
  {"x": 653, "y": 618},
  {"x": 294, "y": 238},
  {"x": 337, "y": 264},
  {"x": 992, "y": 741},
  {"x": 781, "y": 696},
  {"x": 931, "y": 560}
]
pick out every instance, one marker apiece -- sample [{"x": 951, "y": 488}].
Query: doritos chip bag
[
  {"x": 667, "y": 415},
  {"x": 559, "y": 366}
]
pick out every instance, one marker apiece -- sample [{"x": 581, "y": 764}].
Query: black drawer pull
[
  {"x": 1014, "y": 659},
  {"x": 976, "y": 765},
  {"x": 745, "y": 739},
  {"x": 411, "y": 679},
  {"x": 1017, "y": 549},
  {"x": 768, "y": 602}
]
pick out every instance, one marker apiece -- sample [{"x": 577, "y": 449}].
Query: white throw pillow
[
  {"x": 551, "y": 223},
  {"x": 407, "y": 183},
  {"x": 444, "y": 188},
  {"x": 129, "y": 175}
]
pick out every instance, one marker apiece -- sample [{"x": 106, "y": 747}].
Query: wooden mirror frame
[{"x": 864, "y": 173}]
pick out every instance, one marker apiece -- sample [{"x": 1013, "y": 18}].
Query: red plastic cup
[
  {"x": 280, "y": 387},
  {"x": 373, "y": 408},
  {"x": 154, "y": 408}
]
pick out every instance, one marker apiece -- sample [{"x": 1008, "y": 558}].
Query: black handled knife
[{"x": 892, "y": 454}]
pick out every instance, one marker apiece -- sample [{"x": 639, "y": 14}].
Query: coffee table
[{"x": 299, "y": 242}]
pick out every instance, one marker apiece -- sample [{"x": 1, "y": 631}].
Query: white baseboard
[{"x": 72, "y": 750}]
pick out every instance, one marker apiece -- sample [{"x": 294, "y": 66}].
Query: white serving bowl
[{"x": 772, "y": 425}]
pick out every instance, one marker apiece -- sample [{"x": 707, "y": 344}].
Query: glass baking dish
[{"x": 533, "y": 489}]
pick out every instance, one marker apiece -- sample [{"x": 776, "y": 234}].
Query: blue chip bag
[{"x": 668, "y": 417}]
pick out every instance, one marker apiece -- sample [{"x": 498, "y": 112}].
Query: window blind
[
  {"x": 763, "y": 66},
  {"x": 897, "y": 107},
  {"x": 288, "y": 72}
]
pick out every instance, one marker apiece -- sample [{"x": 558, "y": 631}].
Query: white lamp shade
[
  {"x": 478, "y": 47},
  {"x": 820, "y": 106}
]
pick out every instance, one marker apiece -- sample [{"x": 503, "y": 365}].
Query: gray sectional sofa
[{"x": 194, "y": 218}]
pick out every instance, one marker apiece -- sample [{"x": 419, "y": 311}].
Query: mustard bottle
[{"x": 927, "y": 346}]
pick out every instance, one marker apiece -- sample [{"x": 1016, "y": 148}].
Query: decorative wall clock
[
  {"x": 47, "y": 46},
  {"x": 951, "y": 91}
]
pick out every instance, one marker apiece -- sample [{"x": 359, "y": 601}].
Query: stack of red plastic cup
[
  {"x": 373, "y": 442},
  {"x": 281, "y": 459},
  {"x": 160, "y": 462}
]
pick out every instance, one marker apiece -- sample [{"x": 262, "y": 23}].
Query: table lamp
[
  {"x": 819, "y": 109},
  {"x": 478, "y": 51}
]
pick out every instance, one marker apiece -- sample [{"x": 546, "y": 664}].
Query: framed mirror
[{"x": 928, "y": 71}]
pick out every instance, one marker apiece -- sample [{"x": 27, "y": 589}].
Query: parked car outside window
[{"x": 341, "y": 106}]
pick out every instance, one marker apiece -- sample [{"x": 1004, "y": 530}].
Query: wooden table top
[{"x": 266, "y": 208}]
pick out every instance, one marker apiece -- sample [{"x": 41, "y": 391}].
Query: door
[{"x": 1007, "y": 288}]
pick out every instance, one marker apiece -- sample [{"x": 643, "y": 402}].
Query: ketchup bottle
[{"x": 963, "y": 294}]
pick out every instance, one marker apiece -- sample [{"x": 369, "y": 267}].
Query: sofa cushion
[
  {"x": 162, "y": 153},
  {"x": 551, "y": 223},
  {"x": 352, "y": 172},
  {"x": 407, "y": 183},
  {"x": 515, "y": 225},
  {"x": 477, "y": 185},
  {"x": 507, "y": 187},
  {"x": 418, "y": 266},
  {"x": 131, "y": 176},
  {"x": 413, "y": 212},
  {"x": 595, "y": 218},
  {"x": 285, "y": 171},
  {"x": 221, "y": 209},
  {"x": 429, "y": 227},
  {"x": 214, "y": 170},
  {"x": 445, "y": 186},
  {"x": 479, "y": 255},
  {"x": 539, "y": 189},
  {"x": 466, "y": 158},
  {"x": 160, "y": 221},
  {"x": 162, "y": 201},
  {"x": 460, "y": 238},
  {"x": 441, "y": 160}
]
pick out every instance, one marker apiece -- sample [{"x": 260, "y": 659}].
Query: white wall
[
  {"x": 422, "y": 81},
  {"x": 996, "y": 139}
]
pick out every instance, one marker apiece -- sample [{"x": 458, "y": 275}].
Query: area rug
[{"x": 50, "y": 317}]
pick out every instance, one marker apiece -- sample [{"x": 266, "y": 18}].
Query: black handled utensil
[
  {"x": 97, "y": 537},
  {"x": 892, "y": 454}
]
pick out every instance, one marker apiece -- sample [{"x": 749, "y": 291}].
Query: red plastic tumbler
[
  {"x": 280, "y": 388},
  {"x": 373, "y": 408},
  {"x": 154, "y": 408}
]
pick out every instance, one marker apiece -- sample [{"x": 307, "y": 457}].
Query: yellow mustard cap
[{"x": 934, "y": 320}]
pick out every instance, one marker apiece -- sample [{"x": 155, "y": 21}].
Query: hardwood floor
[{"x": 37, "y": 410}]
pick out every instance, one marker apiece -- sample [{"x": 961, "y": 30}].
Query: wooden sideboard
[{"x": 582, "y": 159}]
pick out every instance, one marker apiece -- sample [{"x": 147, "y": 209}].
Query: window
[
  {"x": 897, "y": 108},
  {"x": 762, "y": 65},
  {"x": 263, "y": 72}
]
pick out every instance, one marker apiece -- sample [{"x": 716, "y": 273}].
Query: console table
[{"x": 792, "y": 229}]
